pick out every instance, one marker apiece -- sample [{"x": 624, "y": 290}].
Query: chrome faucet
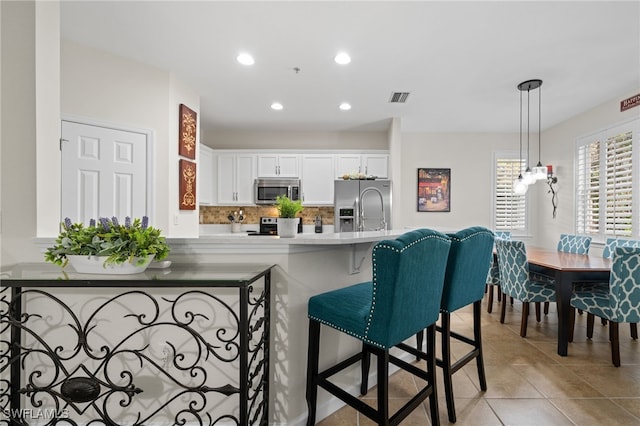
[{"x": 383, "y": 222}]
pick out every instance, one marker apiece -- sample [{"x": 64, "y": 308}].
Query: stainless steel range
[{"x": 269, "y": 226}]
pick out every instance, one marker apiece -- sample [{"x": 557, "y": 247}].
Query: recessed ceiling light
[
  {"x": 345, "y": 106},
  {"x": 342, "y": 58},
  {"x": 277, "y": 106},
  {"x": 245, "y": 59}
]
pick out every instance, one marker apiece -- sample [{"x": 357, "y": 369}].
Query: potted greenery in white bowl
[
  {"x": 108, "y": 247},
  {"x": 287, "y": 220}
]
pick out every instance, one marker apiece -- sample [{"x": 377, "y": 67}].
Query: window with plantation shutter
[
  {"x": 606, "y": 191},
  {"x": 510, "y": 210}
]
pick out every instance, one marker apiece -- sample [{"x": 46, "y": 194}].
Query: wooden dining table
[{"x": 566, "y": 269}]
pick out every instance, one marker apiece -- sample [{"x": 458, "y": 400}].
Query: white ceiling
[{"x": 461, "y": 61}]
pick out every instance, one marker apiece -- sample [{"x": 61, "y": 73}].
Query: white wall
[
  {"x": 470, "y": 158},
  {"x": 123, "y": 92},
  {"x": 558, "y": 146},
  {"x": 18, "y": 132}
]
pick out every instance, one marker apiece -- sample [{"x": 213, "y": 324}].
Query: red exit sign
[{"x": 630, "y": 102}]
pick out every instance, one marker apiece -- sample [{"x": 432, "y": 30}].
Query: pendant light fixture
[{"x": 521, "y": 184}]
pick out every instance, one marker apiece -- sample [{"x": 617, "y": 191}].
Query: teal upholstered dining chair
[
  {"x": 518, "y": 283},
  {"x": 568, "y": 243},
  {"x": 607, "y": 252},
  {"x": 493, "y": 276},
  {"x": 469, "y": 260},
  {"x": 402, "y": 298},
  {"x": 620, "y": 302},
  {"x": 574, "y": 243}
]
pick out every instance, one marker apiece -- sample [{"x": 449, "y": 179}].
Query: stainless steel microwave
[{"x": 266, "y": 190}]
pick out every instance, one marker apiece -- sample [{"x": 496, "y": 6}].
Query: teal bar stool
[
  {"x": 402, "y": 298},
  {"x": 620, "y": 302},
  {"x": 467, "y": 266}
]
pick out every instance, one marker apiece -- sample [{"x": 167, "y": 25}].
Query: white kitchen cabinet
[
  {"x": 278, "y": 165},
  {"x": 205, "y": 176},
  {"x": 317, "y": 179},
  {"x": 376, "y": 165},
  {"x": 236, "y": 173},
  {"x": 347, "y": 164},
  {"x": 369, "y": 164}
]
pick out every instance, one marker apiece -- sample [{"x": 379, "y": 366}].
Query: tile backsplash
[{"x": 252, "y": 214}]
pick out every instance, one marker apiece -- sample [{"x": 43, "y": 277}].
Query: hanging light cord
[
  {"x": 539, "y": 125},
  {"x": 528, "y": 127},
  {"x": 520, "y": 167}
]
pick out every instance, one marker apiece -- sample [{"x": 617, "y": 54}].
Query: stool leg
[
  {"x": 383, "y": 387},
  {"x": 477, "y": 337},
  {"x": 447, "y": 375},
  {"x": 431, "y": 373},
  {"x": 538, "y": 315},
  {"x": 634, "y": 330},
  {"x": 546, "y": 308},
  {"x": 312, "y": 370},
  {"x": 503, "y": 309},
  {"x": 364, "y": 369},
  {"x": 490, "y": 298},
  {"x": 419, "y": 341}
]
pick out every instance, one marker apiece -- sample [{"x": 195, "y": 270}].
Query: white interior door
[{"x": 104, "y": 172}]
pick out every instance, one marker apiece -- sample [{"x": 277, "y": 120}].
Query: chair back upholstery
[
  {"x": 578, "y": 244},
  {"x": 624, "y": 285},
  {"x": 408, "y": 279},
  {"x": 503, "y": 235},
  {"x": 493, "y": 276},
  {"x": 609, "y": 247},
  {"x": 514, "y": 268},
  {"x": 467, "y": 267},
  {"x": 612, "y": 243}
]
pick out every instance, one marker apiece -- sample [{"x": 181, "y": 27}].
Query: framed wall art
[
  {"x": 187, "y": 132},
  {"x": 434, "y": 190},
  {"x": 187, "y": 185}
]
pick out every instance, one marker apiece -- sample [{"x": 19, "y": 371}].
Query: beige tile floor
[{"x": 528, "y": 383}]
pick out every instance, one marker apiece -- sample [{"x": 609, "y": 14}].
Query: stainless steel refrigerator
[{"x": 362, "y": 205}]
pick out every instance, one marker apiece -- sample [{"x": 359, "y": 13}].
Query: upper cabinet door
[
  {"x": 267, "y": 165},
  {"x": 317, "y": 179},
  {"x": 235, "y": 179},
  {"x": 376, "y": 165},
  {"x": 289, "y": 165},
  {"x": 278, "y": 165},
  {"x": 244, "y": 178},
  {"x": 226, "y": 179},
  {"x": 347, "y": 164}
]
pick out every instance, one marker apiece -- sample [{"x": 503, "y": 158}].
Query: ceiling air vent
[{"x": 399, "y": 97}]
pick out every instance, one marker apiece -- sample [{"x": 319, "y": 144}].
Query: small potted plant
[
  {"x": 287, "y": 220},
  {"x": 106, "y": 246}
]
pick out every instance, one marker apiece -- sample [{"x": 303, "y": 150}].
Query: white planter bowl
[{"x": 95, "y": 265}]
